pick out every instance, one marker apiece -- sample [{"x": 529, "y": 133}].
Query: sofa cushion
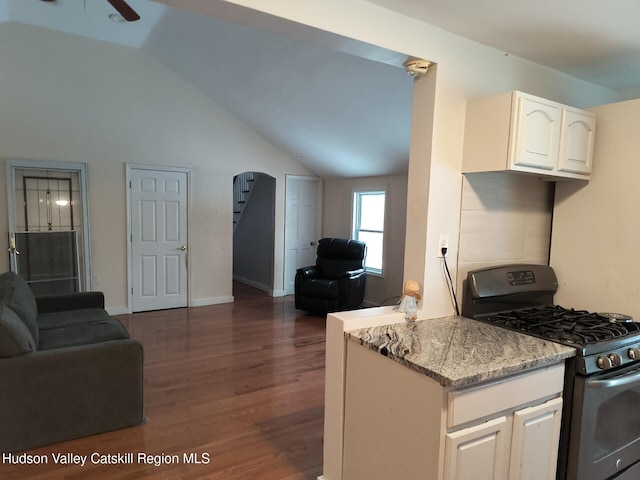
[
  {"x": 15, "y": 338},
  {"x": 68, "y": 318},
  {"x": 16, "y": 293},
  {"x": 82, "y": 334}
]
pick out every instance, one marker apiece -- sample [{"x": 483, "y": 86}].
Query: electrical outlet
[{"x": 443, "y": 242}]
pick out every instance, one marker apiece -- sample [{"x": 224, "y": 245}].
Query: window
[{"x": 368, "y": 226}]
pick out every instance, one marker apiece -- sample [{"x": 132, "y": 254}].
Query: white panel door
[
  {"x": 158, "y": 239},
  {"x": 302, "y": 226}
]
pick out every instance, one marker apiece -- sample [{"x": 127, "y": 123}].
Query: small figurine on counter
[{"x": 409, "y": 300}]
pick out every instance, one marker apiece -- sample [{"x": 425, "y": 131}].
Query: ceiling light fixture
[{"x": 416, "y": 67}]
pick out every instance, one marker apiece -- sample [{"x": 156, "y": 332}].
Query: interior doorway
[
  {"x": 254, "y": 206},
  {"x": 303, "y": 217},
  {"x": 49, "y": 226}
]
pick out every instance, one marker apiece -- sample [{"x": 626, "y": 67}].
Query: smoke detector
[{"x": 416, "y": 67}]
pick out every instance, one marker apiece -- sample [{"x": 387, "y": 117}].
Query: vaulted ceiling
[{"x": 339, "y": 106}]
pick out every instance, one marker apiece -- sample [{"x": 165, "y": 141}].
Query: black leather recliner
[{"x": 336, "y": 282}]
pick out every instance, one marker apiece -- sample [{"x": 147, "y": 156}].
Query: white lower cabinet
[
  {"x": 478, "y": 452},
  {"x": 523, "y": 446},
  {"x": 534, "y": 441},
  {"x": 399, "y": 423}
]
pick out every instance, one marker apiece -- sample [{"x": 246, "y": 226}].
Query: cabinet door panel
[
  {"x": 534, "y": 444},
  {"x": 576, "y": 144},
  {"x": 478, "y": 452},
  {"x": 537, "y": 136}
]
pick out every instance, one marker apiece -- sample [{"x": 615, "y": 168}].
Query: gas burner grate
[{"x": 578, "y": 327}]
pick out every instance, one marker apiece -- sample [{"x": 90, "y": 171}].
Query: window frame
[{"x": 355, "y": 223}]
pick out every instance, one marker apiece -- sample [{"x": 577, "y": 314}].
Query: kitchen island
[
  {"x": 458, "y": 351},
  {"x": 438, "y": 399}
]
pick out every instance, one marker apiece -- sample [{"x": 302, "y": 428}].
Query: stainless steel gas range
[{"x": 600, "y": 435}]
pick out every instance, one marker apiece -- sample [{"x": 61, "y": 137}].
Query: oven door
[{"x": 605, "y": 424}]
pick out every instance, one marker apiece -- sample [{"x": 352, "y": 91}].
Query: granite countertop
[{"x": 458, "y": 351}]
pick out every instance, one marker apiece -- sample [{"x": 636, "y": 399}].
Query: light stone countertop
[{"x": 458, "y": 351}]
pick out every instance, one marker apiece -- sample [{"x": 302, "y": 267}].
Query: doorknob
[
  {"x": 182, "y": 247},
  {"x": 313, "y": 243}
]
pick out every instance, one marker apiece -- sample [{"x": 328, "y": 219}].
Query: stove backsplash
[{"x": 505, "y": 218}]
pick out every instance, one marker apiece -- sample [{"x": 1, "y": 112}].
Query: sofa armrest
[
  {"x": 57, "y": 395},
  {"x": 309, "y": 272},
  {"x": 353, "y": 273},
  {"x": 69, "y": 301}
]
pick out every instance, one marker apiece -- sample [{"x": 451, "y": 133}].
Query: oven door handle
[{"x": 619, "y": 381}]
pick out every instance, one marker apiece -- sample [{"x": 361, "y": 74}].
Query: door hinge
[
  {"x": 131, "y": 290},
  {"x": 130, "y": 186}
]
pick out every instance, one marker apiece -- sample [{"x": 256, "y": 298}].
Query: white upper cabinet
[
  {"x": 576, "y": 141},
  {"x": 524, "y": 133},
  {"x": 536, "y": 134}
]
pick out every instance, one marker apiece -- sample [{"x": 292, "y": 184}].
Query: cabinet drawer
[{"x": 484, "y": 400}]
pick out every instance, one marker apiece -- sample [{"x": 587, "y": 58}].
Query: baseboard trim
[
  {"x": 202, "y": 302},
  {"x": 251, "y": 283},
  {"x": 278, "y": 293},
  {"x": 196, "y": 302},
  {"x": 113, "y": 311}
]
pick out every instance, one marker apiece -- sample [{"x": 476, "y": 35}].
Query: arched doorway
[{"x": 254, "y": 206}]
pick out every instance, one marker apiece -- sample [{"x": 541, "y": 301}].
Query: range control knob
[
  {"x": 634, "y": 353},
  {"x": 616, "y": 359},
  {"x": 604, "y": 363}
]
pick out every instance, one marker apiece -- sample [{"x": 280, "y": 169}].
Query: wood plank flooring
[{"x": 241, "y": 384}]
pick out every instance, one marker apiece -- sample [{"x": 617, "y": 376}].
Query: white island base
[
  {"x": 335, "y": 368},
  {"x": 390, "y": 417},
  {"x": 402, "y": 424}
]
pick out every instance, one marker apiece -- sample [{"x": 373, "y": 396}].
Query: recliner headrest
[{"x": 341, "y": 249}]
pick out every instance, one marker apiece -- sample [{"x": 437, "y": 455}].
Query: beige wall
[
  {"x": 66, "y": 98},
  {"x": 465, "y": 70},
  {"x": 594, "y": 244},
  {"x": 337, "y": 222}
]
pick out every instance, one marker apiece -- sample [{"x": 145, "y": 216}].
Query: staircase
[{"x": 242, "y": 186}]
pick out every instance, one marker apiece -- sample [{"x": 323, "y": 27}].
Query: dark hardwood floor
[{"x": 241, "y": 384}]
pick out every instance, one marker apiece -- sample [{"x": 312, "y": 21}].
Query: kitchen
[
  {"x": 587, "y": 260},
  {"x": 449, "y": 103}
]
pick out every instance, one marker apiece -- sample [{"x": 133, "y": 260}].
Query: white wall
[
  {"x": 337, "y": 222},
  {"x": 465, "y": 70},
  {"x": 65, "y": 98},
  {"x": 594, "y": 244}
]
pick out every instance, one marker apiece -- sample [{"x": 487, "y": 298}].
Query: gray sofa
[{"x": 67, "y": 369}]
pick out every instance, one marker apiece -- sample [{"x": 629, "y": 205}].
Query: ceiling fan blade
[{"x": 123, "y": 8}]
